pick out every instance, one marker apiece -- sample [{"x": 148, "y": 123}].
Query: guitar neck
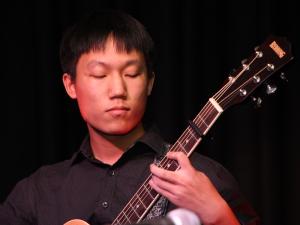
[
  {"x": 145, "y": 197},
  {"x": 269, "y": 57}
]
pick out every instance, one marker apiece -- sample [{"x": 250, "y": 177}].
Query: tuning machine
[
  {"x": 245, "y": 64},
  {"x": 283, "y": 77},
  {"x": 257, "y": 101},
  {"x": 270, "y": 89}
]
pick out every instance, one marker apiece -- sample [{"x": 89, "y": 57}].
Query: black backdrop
[{"x": 198, "y": 43}]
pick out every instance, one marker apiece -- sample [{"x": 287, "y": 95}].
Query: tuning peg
[
  {"x": 258, "y": 52},
  {"x": 233, "y": 71},
  {"x": 244, "y": 64},
  {"x": 257, "y": 101},
  {"x": 271, "y": 89},
  {"x": 283, "y": 77}
]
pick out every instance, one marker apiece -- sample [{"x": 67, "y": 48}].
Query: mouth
[
  {"x": 118, "y": 108},
  {"x": 117, "y": 111}
]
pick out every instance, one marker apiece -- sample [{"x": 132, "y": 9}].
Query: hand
[{"x": 191, "y": 189}]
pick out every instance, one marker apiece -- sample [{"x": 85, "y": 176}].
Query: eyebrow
[{"x": 127, "y": 63}]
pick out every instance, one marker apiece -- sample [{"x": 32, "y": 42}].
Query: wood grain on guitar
[{"x": 267, "y": 58}]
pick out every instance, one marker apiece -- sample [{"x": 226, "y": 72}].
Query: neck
[{"x": 109, "y": 148}]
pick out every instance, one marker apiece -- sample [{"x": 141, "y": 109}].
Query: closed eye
[
  {"x": 132, "y": 75},
  {"x": 98, "y": 76}
]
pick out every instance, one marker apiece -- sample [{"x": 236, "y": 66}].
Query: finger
[
  {"x": 163, "y": 174},
  {"x": 181, "y": 158},
  {"x": 172, "y": 193},
  {"x": 161, "y": 189},
  {"x": 165, "y": 185}
]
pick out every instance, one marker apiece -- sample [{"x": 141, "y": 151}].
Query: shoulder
[
  {"x": 27, "y": 192},
  {"x": 44, "y": 178},
  {"x": 53, "y": 173}
]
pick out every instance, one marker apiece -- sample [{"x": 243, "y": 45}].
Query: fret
[
  {"x": 191, "y": 139},
  {"x": 117, "y": 220},
  {"x": 181, "y": 147},
  {"x": 140, "y": 200},
  {"x": 203, "y": 121},
  {"x": 149, "y": 191},
  {"x": 134, "y": 208},
  {"x": 191, "y": 132},
  {"x": 206, "y": 118},
  {"x": 202, "y": 127},
  {"x": 187, "y": 141},
  {"x": 126, "y": 217}
]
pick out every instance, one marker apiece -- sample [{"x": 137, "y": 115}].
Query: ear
[
  {"x": 150, "y": 84},
  {"x": 69, "y": 84}
]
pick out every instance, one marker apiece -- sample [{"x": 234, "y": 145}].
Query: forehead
[{"x": 112, "y": 55}]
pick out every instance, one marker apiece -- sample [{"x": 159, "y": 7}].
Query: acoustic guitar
[{"x": 266, "y": 59}]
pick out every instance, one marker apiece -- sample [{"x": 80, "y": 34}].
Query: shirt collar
[{"x": 151, "y": 138}]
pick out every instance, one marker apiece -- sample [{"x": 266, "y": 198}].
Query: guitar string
[
  {"x": 127, "y": 216},
  {"x": 142, "y": 195},
  {"x": 140, "y": 192},
  {"x": 238, "y": 89},
  {"x": 187, "y": 135},
  {"x": 221, "y": 92},
  {"x": 218, "y": 95}
]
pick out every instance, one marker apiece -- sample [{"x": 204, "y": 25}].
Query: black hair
[{"x": 92, "y": 32}]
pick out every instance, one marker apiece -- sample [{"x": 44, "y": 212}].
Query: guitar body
[
  {"x": 76, "y": 222},
  {"x": 269, "y": 57}
]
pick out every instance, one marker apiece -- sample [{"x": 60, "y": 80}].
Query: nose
[{"x": 118, "y": 87}]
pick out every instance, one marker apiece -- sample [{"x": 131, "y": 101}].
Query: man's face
[{"x": 111, "y": 88}]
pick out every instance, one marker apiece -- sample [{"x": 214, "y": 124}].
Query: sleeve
[{"x": 18, "y": 208}]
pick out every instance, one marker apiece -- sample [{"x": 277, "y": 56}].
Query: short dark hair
[{"x": 92, "y": 31}]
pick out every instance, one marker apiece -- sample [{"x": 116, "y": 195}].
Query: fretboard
[{"x": 139, "y": 205}]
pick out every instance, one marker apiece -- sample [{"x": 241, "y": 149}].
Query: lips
[
  {"x": 117, "y": 111},
  {"x": 118, "y": 108}
]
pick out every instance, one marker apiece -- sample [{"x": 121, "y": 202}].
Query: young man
[{"x": 107, "y": 65}]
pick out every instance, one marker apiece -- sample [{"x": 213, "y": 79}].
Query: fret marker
[
  {"x": 187, "y": 140},
  {"x": 216, "y": 105},
  {"x": 169, "y": 164}
]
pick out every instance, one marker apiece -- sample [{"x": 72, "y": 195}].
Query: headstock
[{"x": 267, "y": 58}]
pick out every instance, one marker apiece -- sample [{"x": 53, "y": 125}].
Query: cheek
[
  {"x": 86, "y": 101},
  {"x": 140, "y": 100}
]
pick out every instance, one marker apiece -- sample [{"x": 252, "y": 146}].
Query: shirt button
[
  {"x": 112, "y": 173},
  {"x": 104, "y": 204}
]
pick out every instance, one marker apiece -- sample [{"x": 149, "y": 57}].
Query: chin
[{"x": 116, "y": 130}]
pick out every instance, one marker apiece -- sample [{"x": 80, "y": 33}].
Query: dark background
[{"x": 198, "y": 43}]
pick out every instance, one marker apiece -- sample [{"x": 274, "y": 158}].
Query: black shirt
[{"x": 85, "y": 188}]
